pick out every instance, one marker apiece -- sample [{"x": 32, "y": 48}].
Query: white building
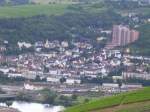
[
  {"x": 14, "y": 75},
  {"x": 4, "y": 70},
  {"x": 128, "y": 75},
  {"x": 117, "y": 77},
  {"x": 110, "y": 85},
  {"x": 64, "y": 44},
  {"x": 73, "y": 81},
  {"x": 53, "y": 79},
  {"x": 110, "y": 88},
  {"x": 33, "y": 87},
  {"x": 24, "y": 44},
  {"x": 131, "y": 86},
  {"x": 29, "y": 74}
]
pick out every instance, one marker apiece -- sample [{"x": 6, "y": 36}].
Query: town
[
  {"x": 64, "y": 60},
  {"x": 78, "y": 66}
]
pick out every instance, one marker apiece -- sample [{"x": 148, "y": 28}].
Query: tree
[
  {"x": 46, "y": 69},
  {"x": 86, "y": 100},
  {"x": 62, "y": 80},
  {"x": 48, "y": 96},
  {"x": 9, "y": 103},
  {"x": 74, "y": 97},
  {"x": 37, "y": 78},
  {"x": 119, "y": 82}
]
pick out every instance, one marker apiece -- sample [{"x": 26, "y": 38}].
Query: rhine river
[{"x": 34, "y": 107}]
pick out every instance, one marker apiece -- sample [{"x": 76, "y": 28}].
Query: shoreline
[{"x": 8, "y": 109}]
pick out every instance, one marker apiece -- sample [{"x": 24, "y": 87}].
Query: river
[{"x": 34, "y": 107}]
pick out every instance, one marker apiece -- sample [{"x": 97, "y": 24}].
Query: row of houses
[
  {"x": 116, "y": 88},
  {"x": 110, "y": 88}
]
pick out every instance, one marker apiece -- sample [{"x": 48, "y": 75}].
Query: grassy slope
[
  {"x": 43, "y": 9},
  {"x": 32, "y": 10},
  {"x": 138, "y": 107},
  {"x": 48, "y": 1},
  {"x": 126, "y": 98}
]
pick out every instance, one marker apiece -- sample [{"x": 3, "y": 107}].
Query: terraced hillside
[{"x": 119, "y": 103}]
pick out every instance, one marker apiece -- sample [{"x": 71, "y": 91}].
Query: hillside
[
  {"x": 31, "y": 10},
  {"x": 13, "y": 2},
  {"x": 142, "y": 46},
  {"x": 53, "y": 1},
  {"x": 41, "y": 27},
  {"x": 119, "y": 103},
  {"x": 21, "y": 2},
  {"x": 41, "y": 20}
]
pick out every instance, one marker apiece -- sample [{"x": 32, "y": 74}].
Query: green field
[
  {"x": 122, "y": 99},
  {"x": 32, "y": 10}
]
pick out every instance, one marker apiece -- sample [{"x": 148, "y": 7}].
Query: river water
[{"x": 35, "y": 107}]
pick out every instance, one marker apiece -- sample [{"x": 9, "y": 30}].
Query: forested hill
[
  {"x": 33, "y": 22},
  {"x": 55, "y": 21},
  {"x": 66, "y": 26},
  {"x": 13, "y": 2},
  {"x": 21, "y": 2}
]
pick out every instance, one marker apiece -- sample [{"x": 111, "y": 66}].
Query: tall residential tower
[{"x": 122, "y": 35}]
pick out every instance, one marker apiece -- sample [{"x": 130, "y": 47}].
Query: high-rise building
[
  {"x": 122, "y": 35},
  {"x": 134, "y": 35}
]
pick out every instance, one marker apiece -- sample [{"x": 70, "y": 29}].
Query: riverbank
[
  {"x": 5, "y": 109},
  {"x": 31, "y": 107}
]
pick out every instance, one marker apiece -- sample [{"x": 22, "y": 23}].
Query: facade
[
  {"x": 131, "y": 86},
  {"x": 128, "y": 75},
  {"x": 73, "y": 81},
  {"x": 53, "y": 79},
  {"x": 110, "y": 85},
  {"x": 122, "y": 35},
  {"x": 29, "y": 86},
  {"x": 110, "y": 88}
]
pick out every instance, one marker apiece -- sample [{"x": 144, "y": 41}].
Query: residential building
[
  {"x": 123, "y": 35},
  {"x": 129, "y": 75}
]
